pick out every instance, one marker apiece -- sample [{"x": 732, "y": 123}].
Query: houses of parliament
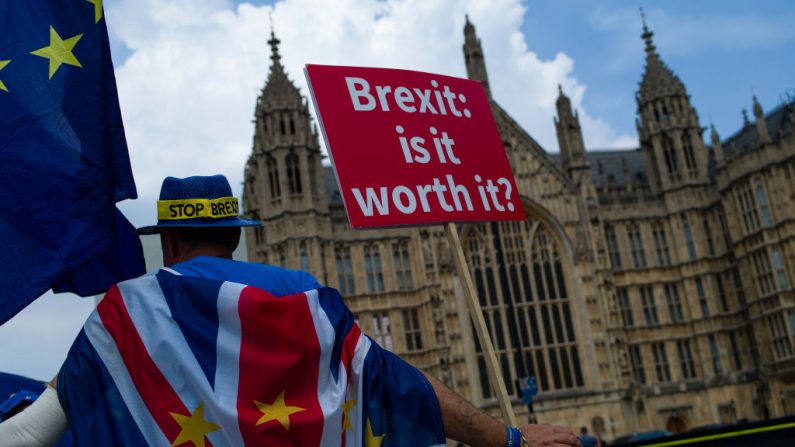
[{"x": 649, "y": 288}]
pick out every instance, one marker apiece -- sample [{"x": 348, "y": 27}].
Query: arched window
[
  {"x": 293, "y": 174},
  {"x": 372, "y": 265},
  {"x": 400, "y": 257},
  {"x": 304, "y": 257},
  {"x": 273, "y": 178},
  {"x": 345, "y": 280},
  {"x": 671, "y": 160},
  {"x": 687, "y": 147},
  {"x": 312, "y": 177},
  {"x": 279, "y": 254},
  {"x": 522, "y": 289}
]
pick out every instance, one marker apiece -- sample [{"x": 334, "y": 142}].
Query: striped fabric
[{"x": 169, "y": 360}]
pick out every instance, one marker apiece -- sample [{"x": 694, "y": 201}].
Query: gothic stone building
[{"x": 648, "y": 288}]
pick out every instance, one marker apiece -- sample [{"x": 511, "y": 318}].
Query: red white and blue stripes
[{"x": 202, "y": 362}]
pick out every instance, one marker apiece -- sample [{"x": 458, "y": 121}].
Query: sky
[{"x": 189, "y": 72}]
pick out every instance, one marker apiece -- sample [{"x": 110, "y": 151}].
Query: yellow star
[
  {"x": 2, "y": 66},
  {"x": 346, "y": 418},
  {"x": 371, "y": 440},
  {"x": 97, "y": 9},
  {"x": 193, "y": 428},
  {"x": 59, "y": 52},
  {"x": 277, "y": 411}
]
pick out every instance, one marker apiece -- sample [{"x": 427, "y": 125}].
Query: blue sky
[{"x": 723, "y": 51}]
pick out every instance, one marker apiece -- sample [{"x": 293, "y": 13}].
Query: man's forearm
[{"x": 465, "y": 423}]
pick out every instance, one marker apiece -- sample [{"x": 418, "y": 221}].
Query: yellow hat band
[{"x": 197, "y": 208}]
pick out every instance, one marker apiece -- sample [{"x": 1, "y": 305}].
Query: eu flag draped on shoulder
[
  {"x": 171, "y": 359},
  {"x": 63, "y": 154}
]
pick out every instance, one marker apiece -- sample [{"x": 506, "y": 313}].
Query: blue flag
[{"x": 62, "y": 147}]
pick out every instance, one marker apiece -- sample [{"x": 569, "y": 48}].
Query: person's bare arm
[{"x": 465, "y": 423}]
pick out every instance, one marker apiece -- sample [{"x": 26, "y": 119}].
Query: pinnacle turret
[
  {"x": 474, "y": 57},
  {"x": 284, "y": 171},
  {"x": 563, "y": 102},
  {"x": 761, "y": 125},
  {"x": 668, "y": 125},
  {"x": 570, "y": 140},
  {"x": 279, "y": 90},
  {"x": 717, "y": 147},
  {"x": 758, "y": 112},
  {"x": 276, "y": 58},
  {"x": 658, "y": 80}
]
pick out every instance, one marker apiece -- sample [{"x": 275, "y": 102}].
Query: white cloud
[{"x": 189, "y": 86}]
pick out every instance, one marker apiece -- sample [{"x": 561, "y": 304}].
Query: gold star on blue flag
[
  {"x": 59, "y": 51},
  {"x": 2, "y": 66},
  {"x": 64, "y": 155},
  {"x": 97, "y": 9}
]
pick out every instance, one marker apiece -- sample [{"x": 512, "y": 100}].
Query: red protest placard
[{"x": 412, "y": 148}]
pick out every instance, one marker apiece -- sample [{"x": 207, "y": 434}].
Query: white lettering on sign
[
  {"x": 410, "y": 100},
  {"x": 362, "y": 92},
  {"x": 443, "y": 145},
  {"x": 405, "y": 198}
]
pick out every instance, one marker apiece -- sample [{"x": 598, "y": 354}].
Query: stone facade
[{"x": 649, "y": 288}]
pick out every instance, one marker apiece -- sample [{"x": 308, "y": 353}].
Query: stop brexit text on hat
[{"x": 412, "y": 148}]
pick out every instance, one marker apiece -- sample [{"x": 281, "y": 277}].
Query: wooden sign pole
[{"x": 495, "y": 378}]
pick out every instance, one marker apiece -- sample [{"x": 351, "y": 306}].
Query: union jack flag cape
[{"x": 171, "y": 360}]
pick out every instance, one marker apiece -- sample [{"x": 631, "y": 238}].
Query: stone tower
[
  {"x": 668, "y": 126},
  {"x": 761, "y": 125},
  {"x": 473, "y": 57},
  {"x": 567, "y": 124},
  {"x": 289, "y": 196}
]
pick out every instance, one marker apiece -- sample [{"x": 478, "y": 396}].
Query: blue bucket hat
[{"x": 197, "y": 202}]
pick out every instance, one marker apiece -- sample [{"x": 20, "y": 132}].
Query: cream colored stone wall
[{"x": 575, "y": 213}]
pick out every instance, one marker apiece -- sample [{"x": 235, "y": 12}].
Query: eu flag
[{"x": 63, "y": 154}]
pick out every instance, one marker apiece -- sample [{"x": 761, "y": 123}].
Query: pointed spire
[
  {"x": 746, "y": 121},
  {"x": 570, "y": 141},
  {"x": 717, "y": 147},
  {"x": 647, "y": 36},
  {"x": 761, "y": 124},
  {"x": 758, "y": 113},
  {"x": 658, "y": 80},
  {"x": 276, "y": 58},
  {"x": 279, "y": 88},
  {"x": 474, "y": 57},
  {"x": 563, "y": 101}
]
